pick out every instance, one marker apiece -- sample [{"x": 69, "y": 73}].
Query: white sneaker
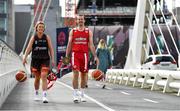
[
  {"x": 36, "y": 98},
  {"x": 83, "y": 99},
  {"x": 76, "y": 98},
  {"x": 45, "y": 100}
]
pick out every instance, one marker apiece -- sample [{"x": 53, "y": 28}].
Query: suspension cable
[
  {"x": 44, "y": 3},
  {"x": 159, "y": 27},
  {"x": 47, "y": 9},
  {"x": 149, "y": 42},
  {"x": 175, "y": 20},
  {"x": 168, "y": 28},
  {"x": 27, "y": 37},
  {"x": 153, "y": 34}
]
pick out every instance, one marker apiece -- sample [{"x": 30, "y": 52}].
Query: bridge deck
[
  {"x": 114, "y": 97},
  {"x": 60, "y": 98}
]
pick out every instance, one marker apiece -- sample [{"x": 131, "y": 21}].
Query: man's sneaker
[
  {"x": 83, "y": 99},
  {"x": 36, "y": 98},
  {"x": 75, "y": 98},
  {"x": 45, "y": 100}
]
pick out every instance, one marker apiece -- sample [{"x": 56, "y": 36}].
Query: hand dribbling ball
[
  {"x": 21, "y": 76},
  {"x": 97, "y": 75}
]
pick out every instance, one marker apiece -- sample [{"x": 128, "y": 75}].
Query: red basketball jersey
[{"x": 80, "y": 40}]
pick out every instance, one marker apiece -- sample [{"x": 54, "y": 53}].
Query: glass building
[
  {"x": 3, "y": 19},
  {"x": 7, "y": 22}
]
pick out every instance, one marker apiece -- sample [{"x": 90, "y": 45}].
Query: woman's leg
[
  {"x": 36, "y": 74},
  {"x": 44, "y": 73}
]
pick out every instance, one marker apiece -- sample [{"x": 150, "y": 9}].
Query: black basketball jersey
[{"x": 40, "y": 48}]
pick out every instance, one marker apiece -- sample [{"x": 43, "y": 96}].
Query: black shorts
[{"x": 39, "y": 63}]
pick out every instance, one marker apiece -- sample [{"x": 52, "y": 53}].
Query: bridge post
[
  {"x": 136, "y": 54},
  {"x": 166, "y": 87}
]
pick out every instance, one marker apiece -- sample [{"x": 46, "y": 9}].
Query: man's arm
[
  {"x": 69, "y": 46},
  {"x": 92, "y": 48}
]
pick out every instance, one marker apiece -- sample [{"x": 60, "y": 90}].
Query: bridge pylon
[{"x": 138, "y": 44}]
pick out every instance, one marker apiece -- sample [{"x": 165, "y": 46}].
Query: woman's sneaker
[
  {"x": 36, "y": 97},
  {"x": 45, "y": 100}
]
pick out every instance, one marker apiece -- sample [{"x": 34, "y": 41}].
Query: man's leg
[
  {"x": 75, "y": 84},
  {"x": 83, "y": 84}
]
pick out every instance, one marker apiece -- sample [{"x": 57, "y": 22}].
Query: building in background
[
  {"x": 108, "y": 12},
  {"x": 23, "y": 18},
  {"x": 115, "y": 12},
  {"x": 7, "y": 22},
  {"x": 52, "y": 19}
]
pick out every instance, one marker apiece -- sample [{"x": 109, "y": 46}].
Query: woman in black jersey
[{"x": 42, "y": 51}]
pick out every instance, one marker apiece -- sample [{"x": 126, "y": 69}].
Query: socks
[
  {"x": 82, "y": 92},
  {"x": 75, "y": 92},
  {"x": 37, "y": 92},
  {"x": 44, "y": 93}
]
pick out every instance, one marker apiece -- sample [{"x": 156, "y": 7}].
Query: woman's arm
[
  {"x": 50, "y": 46},
  {"x": 28, "y": 49}
]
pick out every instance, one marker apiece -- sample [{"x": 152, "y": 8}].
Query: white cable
[
  {"x": 149, "y": 42},
  {"x": 159, "y": 27},
  {"x": 175, "y": 20},
  {"x": 32, "y": 23},
  {"x": 145, "y": 50},
  {"x": 153, "y": 34},
  {"x": 47, "y": 9},
  {"x": 168, "y": 28},
  {"x": 44, "y": 3}
]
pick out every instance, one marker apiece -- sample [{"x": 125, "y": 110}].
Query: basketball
[
  {"x": 97, "y": 74},
  {"x": 21, "y": 76}
]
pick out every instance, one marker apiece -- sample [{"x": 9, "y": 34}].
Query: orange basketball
[
  {"x": 97, "y": 74},
  {"x": 21, "y": 76}
]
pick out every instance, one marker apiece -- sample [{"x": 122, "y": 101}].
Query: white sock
[
  {"x": 82, "y": 92},
  {"x": 75, "y": 92},
  {"x": 44, "y": 93}
]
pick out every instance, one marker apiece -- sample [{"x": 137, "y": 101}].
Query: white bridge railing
[
  {"x": 165, "y": 81},
  {"x": 10, "y": 63}
]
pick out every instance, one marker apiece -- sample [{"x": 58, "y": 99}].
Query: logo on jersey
[
  {"x": 80, "y": 40},
  {"x": 35, "y": 41}
]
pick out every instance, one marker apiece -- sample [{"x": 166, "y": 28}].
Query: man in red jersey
[{"x": 80, "y": 41}]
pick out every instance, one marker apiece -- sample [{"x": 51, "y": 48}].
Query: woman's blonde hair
[
  {"x": 39, "y": 22},
  {"x": 102, "y": 44}
]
